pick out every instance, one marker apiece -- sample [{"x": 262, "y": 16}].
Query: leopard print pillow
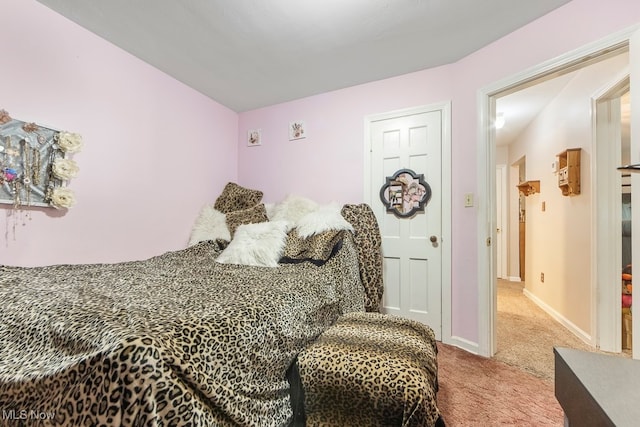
[
  {"x": 253, "y": 215},
  {"x": 235, "y": 198},
  {"x": 317, "y": 249}
]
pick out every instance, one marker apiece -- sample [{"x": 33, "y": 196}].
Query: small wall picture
[
  {"x": 297, "y": 130},
  {"x": 254, "y": 137}
]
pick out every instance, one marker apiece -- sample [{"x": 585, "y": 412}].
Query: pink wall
[
  {"x": 155, "y": 150},
  {"x": 328, "y": 165}
]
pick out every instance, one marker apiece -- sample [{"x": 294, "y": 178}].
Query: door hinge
[{"x": 488, "y": 241}]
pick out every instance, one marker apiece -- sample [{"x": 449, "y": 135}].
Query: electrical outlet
[{"x": 542, "y": 277}]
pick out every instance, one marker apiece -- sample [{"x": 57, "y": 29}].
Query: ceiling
[
  {"x": 247, "y": 54},
  {"x": 521, "y": 107}
]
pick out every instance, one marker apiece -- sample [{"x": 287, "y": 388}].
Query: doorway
[
  {"x": 557, "y": 222},
  {"x": 612, "y": 138},
  {"x": 557, "y": 67}
]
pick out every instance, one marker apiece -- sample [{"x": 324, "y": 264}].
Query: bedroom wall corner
[{"x": 155, "y": 151}]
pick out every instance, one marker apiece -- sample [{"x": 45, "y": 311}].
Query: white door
[
  {"x": 411, "y": 246},
  {"x": 501, "y": 221}
]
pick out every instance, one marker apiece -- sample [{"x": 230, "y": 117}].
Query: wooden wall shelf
[
  {"x": 569, "y": 172},
  {"x": 529, "y": 187}
]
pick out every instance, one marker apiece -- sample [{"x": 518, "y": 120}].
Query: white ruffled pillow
[
  {"x": 260, "y": 244},
  {"x": 325, "y": 218},
  {"x": 211, "y": 224},
  {"x": 291, "y": 209}
]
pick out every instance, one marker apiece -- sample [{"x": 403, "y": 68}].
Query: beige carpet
[{"x": 527, "y": 335}]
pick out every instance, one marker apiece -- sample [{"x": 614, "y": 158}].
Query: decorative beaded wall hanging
[{"x": 34, "y": 164}]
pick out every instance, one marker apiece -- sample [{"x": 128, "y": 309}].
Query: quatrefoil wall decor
[{"x": 405, "y": 193}]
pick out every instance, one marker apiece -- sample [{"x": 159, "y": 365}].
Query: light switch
[{"x": 468, "y": 200}]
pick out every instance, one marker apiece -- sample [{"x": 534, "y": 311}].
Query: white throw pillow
[
  {"x": 211, "y": 224},
  {"x": 269, "y": 208},
  {"x": 292, "y": 208},
  {"x": 325, "y": 218},
  {"x": 260, "y": 244}
]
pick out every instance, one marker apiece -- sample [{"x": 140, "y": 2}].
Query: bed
[{"x": 189, "y": 337}]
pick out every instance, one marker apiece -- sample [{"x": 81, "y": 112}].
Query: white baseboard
[
  {"x": 470, "y": 346},
  {"x": 561, "y": 319},
  {"x": 515, "y": 279}
]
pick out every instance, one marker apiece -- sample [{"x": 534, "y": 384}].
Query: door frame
[
  {"x": 487, "y": 292},
  {"x": 607, "y": 210},
  {"x": 445, "y": 109}
]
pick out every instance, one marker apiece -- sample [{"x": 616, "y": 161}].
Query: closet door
[{"x": 412, "y": 245}]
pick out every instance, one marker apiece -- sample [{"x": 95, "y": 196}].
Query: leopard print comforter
[
  {"x": 369, "y": 243},
  {"x": 175, "y": 340}
]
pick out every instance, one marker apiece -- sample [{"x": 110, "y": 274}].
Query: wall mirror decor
[
  {"x": 35, "y": 165},
  {"x": 405, "y": 193}
]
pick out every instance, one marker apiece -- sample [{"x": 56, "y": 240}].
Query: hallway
[{"x": 527, "y": 334}]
